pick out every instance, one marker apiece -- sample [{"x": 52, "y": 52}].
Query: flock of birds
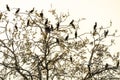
[
  {"x": 49, "y": 29},
  {"x": 105, "y": 31}
]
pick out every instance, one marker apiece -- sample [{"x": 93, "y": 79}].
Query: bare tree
[{"x": 35, "y": 48}]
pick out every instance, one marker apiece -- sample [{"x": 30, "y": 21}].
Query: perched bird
[
  {"x": 88, "y": 67},
  {"x": 46, "y": 21},
  {"x": 71, "y": 58},
  {"x": 71, "y": 23},
  {"x": 31, "y": 10},
  {"x": 117, "y": 64},
  {"x": 16, "y": 27},
  {"x": 28, "y": 22},
  {"x": 1, "y": 15},
  {"x": 75, "y": 34},
  {"x": 95, "y": 26},
  {"x": 17, "y": 10},
  {"x": 66, "y": 38},
  {"x": 41, "y": 14},
  {"x": 58, "y": 24},
  {"x": 47, "y": 29},
  {"x": 106, "y": 66},
  {"x": 7, "y": 7},
  {"x": 51, "y": 27},
  {"x": 106, "y": 33},
  {"x": 57, "y": 40}
]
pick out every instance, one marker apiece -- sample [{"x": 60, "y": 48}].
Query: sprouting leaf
[{"x": 52, "y": 11}]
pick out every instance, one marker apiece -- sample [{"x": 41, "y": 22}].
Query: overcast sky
[
  {"x": 96, "y": 10},
  {"x": 101, "y": 11}
]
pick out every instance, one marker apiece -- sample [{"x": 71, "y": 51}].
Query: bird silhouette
[
  {"x": 95, "y": 26},
  {"x": 1, "y": 15},
  {"x": 75, "y": 34},
  {"x": 88, "y": 67},
  {"x": 66, "y": 38},
  {"x": 17, "y": 10},
  {"x": 57, "y": 40},
  {"x": 51, "y": 27},
  {"x": 105, "y": 33},
  {"x": 31, "y": 10},
  {"x": 7, "y": 7},
  {"x": 47, "y": 29},
  {"x": 57, "y": 25},
  {"x": 46, "y": 21},
  {"x": 71, "y": 59},
  {"x": 28, "y": 22},
  {"x": 71, "y": 23},
  {"x": 41, "y": 15},
  {"x": 117, "y": 64},
  {"x": 16, "y": 27},
  {"x": 106, "y": 66}
]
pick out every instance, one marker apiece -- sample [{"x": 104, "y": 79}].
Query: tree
[{"x": 35, "y": 48}]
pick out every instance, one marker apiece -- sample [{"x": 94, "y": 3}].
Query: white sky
[
  {"x": 94, "y": 10},
  {"x": 101, "y": 11}
]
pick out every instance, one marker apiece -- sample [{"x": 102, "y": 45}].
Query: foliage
[{"x": 35, "y": 47}]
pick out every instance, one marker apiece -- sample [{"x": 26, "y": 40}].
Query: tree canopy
[{"x": 35, "y": 47}]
